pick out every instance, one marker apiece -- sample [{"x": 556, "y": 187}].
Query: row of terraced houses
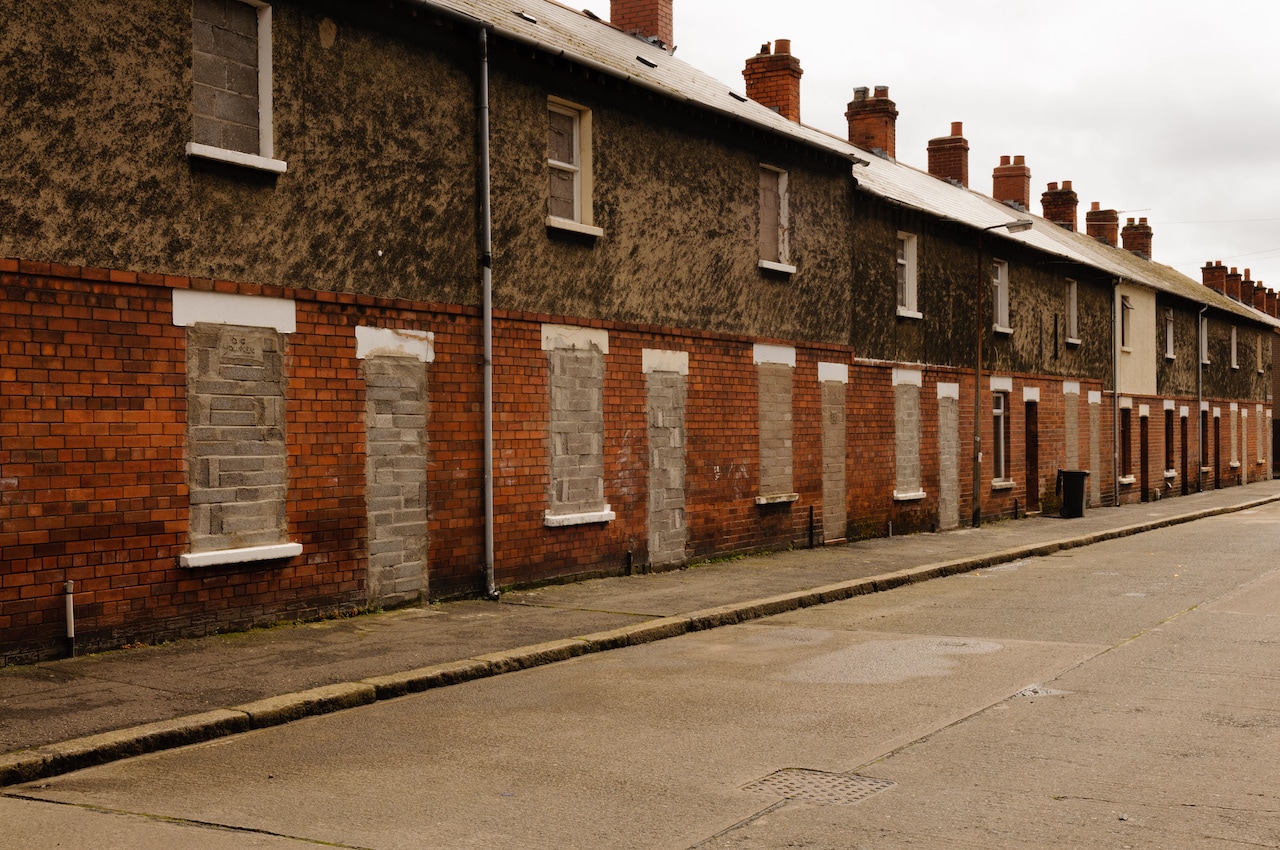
[{"x": 320, "y": 306}]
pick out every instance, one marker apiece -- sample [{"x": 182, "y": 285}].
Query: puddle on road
[{"x": 888, "y": 662}]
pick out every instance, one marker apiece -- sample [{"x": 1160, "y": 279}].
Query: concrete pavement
[{"x": 63, "y": 715}]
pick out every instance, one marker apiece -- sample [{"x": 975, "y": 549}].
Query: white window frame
[
  {"x": 1073, "y": 312},
  {"x": 583, "y": 220},
  {"x": 1262, "y": 363},
  {"x": 1126, "y": 323},
  {"x": 1000, "y": 424},
  {"x": 1204, "y": 340},
  {"x": 1168, "y": 335},
  {"x": 905, "y": 267},
  {"x": 265, "y": 159},
  {"x": 783, "y": 263},
  {"x": 1235, "y": 349},
  {"x": 1000, "y": 297}
]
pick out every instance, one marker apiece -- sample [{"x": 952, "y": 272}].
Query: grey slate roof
[{"x": 560, "y": 31}]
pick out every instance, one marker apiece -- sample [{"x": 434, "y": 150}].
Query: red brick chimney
[
  {"x": 1137, "y": 238},
  {"x": 1214, "y": 275},
  {"x": 1233, "y": 283},
  {"x": 873, "y": 122},
  {"x": 649, "y": 19},
  {"x": 1271, "y": 303},
  {"x": 949, "y": 156},
  {"x": 1246, "y": 286},
  {"x": 1260, "y": 298},
  {"x": 1103, "y": 225},
  {"x": 773, "y": 79},
  {"x": 1060, "y": 205},
  {"x": 1011, "y": 182}
]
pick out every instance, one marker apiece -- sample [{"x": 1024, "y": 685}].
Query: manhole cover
[{"x": 819, "y": 787}]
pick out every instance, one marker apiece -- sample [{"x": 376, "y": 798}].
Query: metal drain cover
[{"x": 818, "y": 787}]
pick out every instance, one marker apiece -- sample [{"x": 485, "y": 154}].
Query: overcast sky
[{"x": 1168, "y": 109}]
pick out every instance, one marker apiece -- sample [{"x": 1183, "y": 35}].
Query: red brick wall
[{"x": 93, "y": 432}]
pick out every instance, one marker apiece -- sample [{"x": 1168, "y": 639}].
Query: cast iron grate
[{"x": 818, "y": 787}]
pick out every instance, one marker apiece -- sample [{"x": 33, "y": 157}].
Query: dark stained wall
[
  {"x": 377, "y": 132},
  {"x": 948, "y": 278}
]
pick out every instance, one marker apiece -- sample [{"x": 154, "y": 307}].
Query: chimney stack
[
  {"x": 949, "y": 156},
  {"x": 1246, "y": 288},
  {"x": 1060, "y": 205},
  {"x": 648, "y": 19},
  {"x": 1137, "y": 238},
  {"x": 1273, "y": 307},
  {"x": 1260, "y": 298},
  {"x": 1232, "y": 280},
  {"x": 773, "y": 79},
  {"x": 873, "y": 122},
  {"x": 1011, "y": 182},
  {"x": 1214, "y": 275},
  {"x": 1103, "y": 225}
]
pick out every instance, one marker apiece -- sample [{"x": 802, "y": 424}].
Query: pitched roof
[{"x": 582, "y": 38}]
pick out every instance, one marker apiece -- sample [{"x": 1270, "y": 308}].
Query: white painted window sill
[
  {"x": 1171, "y": 473},
  {"x": 913, "y": 496},
  {"x": 574, "y": 226},
  {"x": 778, "y": 499},
  {"x": 1235, "y": 464},
  {"x": 1073, "y": 341},
  {"x": 905, "y": 313},
  {"x": 1003, "y": 484},
  {"x": 1171, "y": 357},
  {"x": 551, "y": 520},
  {"x": 1206, "y": 469},
  {"x": 770, "y": 265},
  {"x": 1127, "y": 479},
  {"x": 1002, "y": 329},
  {"x": 230, "y": 157},
  {"x": 1124, "y": 349},
  {"x": 247, "y": 555}
]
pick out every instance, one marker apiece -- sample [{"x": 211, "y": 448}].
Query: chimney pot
[
  {"x": 649, "y": 19},
  {"x": 1137, "y": 238},
  {"x": 1011, "y": 183},
  {"x": 773, "y": 79},
  {"x": 1103, "y": 225},
  {"x": 1215, "y": 277},
  {"x": 873, "y": 121},
  {"x": 949, "y": 156},
  {"x": 1060, "y": 205}
]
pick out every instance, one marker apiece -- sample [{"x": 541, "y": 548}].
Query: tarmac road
[{"x": 1123, "y": 694}]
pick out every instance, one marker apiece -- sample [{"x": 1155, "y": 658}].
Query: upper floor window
[
  {"x": 906, "y": 270},
  {"x": 1000, "y": 296},
  {"x": 1073, "y": 313},
  {"x": 1235, "y": 359},
  {"x": 1168, "y": 335},
  {"x": 569, "y": 168},
  {"x": 231, "y": 77},
  {"x": 775, "y": 225},
  {"x": 1204, "y": 339},
  {"x": 1126, "y": 323},
  {"x": 1263, "y": 343}
]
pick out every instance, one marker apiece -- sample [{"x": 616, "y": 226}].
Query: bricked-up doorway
[
  {"x": 1033, "y": 456},
  {"x": 1144, "y": 451},
  {"x": 1217, "y": 450},
  {"x": 1186, "y": 482}
]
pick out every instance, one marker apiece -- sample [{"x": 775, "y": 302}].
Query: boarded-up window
[
  {"x": 563, "y": 162},
  {"x": 224, "y": 72},
  {"x": 773, "y": 215}
]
